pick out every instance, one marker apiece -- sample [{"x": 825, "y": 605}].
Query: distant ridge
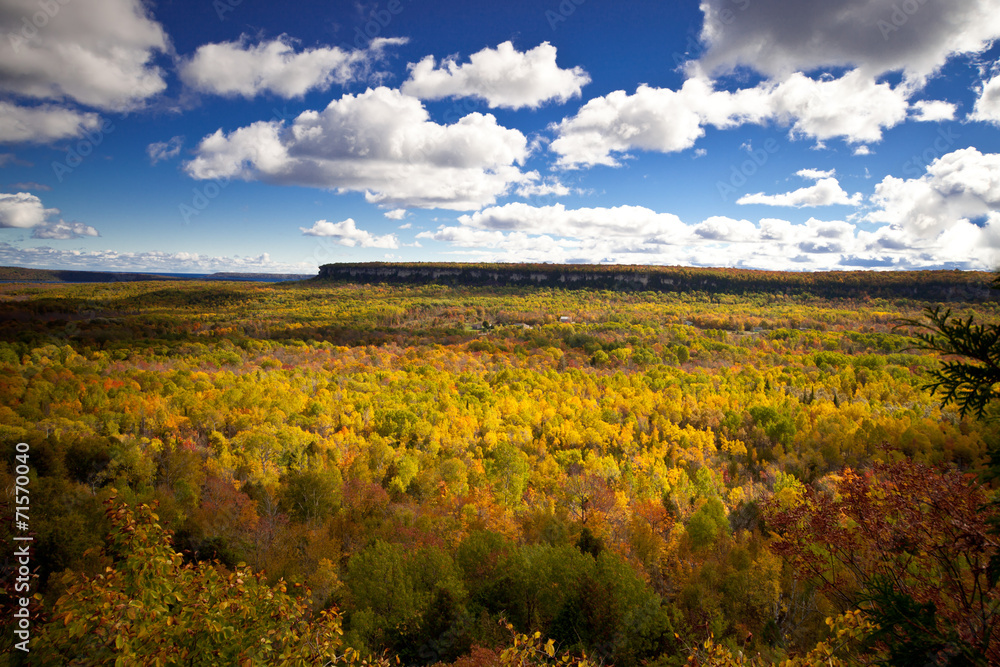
[
  {"x": 927, "y": 285},
  {"x": 21, "y": 274}
]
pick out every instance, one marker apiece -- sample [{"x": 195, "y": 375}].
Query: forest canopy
[{"x": 435, "y": 473}]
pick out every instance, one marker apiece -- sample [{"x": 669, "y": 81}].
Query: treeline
[
  {"x": 21, "y": 274},
  {"x": 16, "y": 274},
  {"x": 924, "y": 285}
]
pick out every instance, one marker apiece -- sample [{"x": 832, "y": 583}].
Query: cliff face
[{"x": 925, "y": 285}]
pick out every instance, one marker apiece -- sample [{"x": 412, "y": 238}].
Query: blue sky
[{"x": 225, "y": 135}]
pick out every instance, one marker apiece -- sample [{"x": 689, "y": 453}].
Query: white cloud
[
  {"x": 853, "y": 107},
  {"x": 99, "y": 53},
  {"x": 63, "y": 231},
  {"x": 43, "y": 124},
  {"x": 396, "y": 214},
  {"x": 164, "y": 150},
  {"x": 932, "y": 111},
  {"x": 957, "y": 188},
  {"x": 987, "y": 107},
  {"x": 652, "y": 119},
  {"x": 636, "y": 235},
  {"x": 729, "y": 230},
  {"x": 862, "y": 150},
  {"x": 503, "y": 77},
  {"x": 151, "y": 261},
  {"x": 776, "y": 37},
  {"x": 535, "y": 186},
  {"x": 23, "y": 210},
  {"x": 816, "y": 174},
  {"x": 826, "y": 191},
  {"x": 406, "y": 225},
  {"x": 242, "y": 68},
  {"x": 379, "y": 142},
  {"x": 557, "y": 220},
  {"x": 346, "y": 233}
]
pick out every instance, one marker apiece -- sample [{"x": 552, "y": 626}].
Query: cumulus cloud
[
  {"x": 381, "y": 143},
  {"x": 536, "y": 186},
  {"x": 959, "y": 188},
  {"x": 932, "y": 111},
  {"x": 776, "y": 37},
  {"x": 826, "y": 191},
  {"x": 346, "y": 233},
  {"x": 987, "y": 109},
  {"x": 63, "y": 231},
  {"x": 652, "y": 119},
  {"x": 729, "y": 230},
  {"x": 241, "y": 68},
  {"x": 396, "y": 214},
  {"x": 853, "y": 107},
  {"x": 164, "y": 150},
  {"x": 99, "y": 53},
  {"x": 503, "y": 77},
  {"x": 43, "y": 124},
  {"x": 24, "y": 210},
  {"x": 557, "y": 220},
  {"x": 637, "y": 235}
]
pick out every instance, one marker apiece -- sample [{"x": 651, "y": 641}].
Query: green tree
[
  {"x": 969, "y": 382},
  {"x": 509, "y": 470},
  {"x": 708, "y": 523},
  {"x": 147, "y": 607},
  {"x": 311, "y": 495}
]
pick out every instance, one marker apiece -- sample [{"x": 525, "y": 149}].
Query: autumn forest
[{"x": 744, "y": 469}]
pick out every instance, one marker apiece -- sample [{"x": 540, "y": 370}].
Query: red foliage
[{"x": 923, "y": 532}]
